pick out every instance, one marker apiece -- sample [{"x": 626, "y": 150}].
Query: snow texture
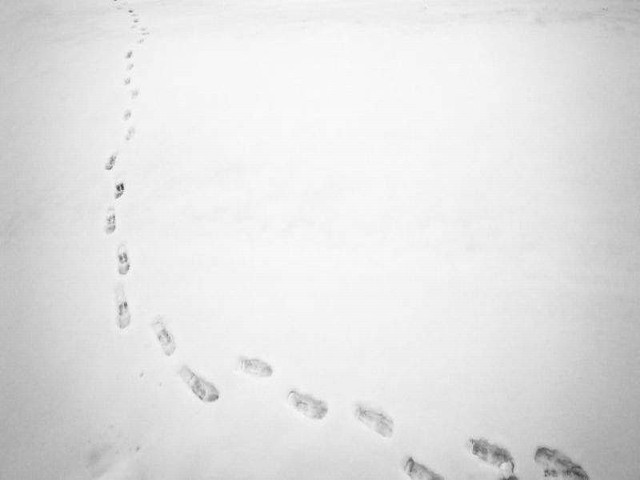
[{"x": 433, "y": 206}]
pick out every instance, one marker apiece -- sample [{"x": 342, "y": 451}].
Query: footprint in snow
[
  {"x": 417, "y": 471},
  {"x": 492, "y": 454},
  {"x": 131, "y": 131},
  {"x": 557, "y": 465},
  {"x": 123, "y": 316},
  {"x": 123, "y": 259},
  {"x": 201, "y": 388},
  {"x": 375, "y": 419},
  {"x": 165, "y": 338},
  {"x": 110, "y": 226},
  {"x": 308, "y": 405},
  {"x": 111, "y": 161},
  {"x": 119, "y": 191},
  {"x": 255, "y": 367}
]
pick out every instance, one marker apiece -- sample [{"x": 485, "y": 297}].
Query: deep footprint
[
  {"x": 166, "y": 340},
  {"x": 110, "y": 226},
  {"x": 123, "y": 260},
  {"x": 307, "y": 405},
  {"x": 202, "y": 389},
  {"x": 492, "y": 454},
  {"x": 255, "y": 367},
  {"x": 417, "y": 471},
  {"x": 119, "y": 189},
  {"x": 129, "y": 54},
  {"x": 123, "y": 317},
  {"x": 111, "y": 161},
  {"x": 556, "y": 464},
  {"x": 376, "y": 420}
]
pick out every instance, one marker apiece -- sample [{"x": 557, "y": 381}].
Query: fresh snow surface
[{"x": 429, "y": 209}]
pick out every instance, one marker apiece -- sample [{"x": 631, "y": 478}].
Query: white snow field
[{"x": 429, "y": 209}]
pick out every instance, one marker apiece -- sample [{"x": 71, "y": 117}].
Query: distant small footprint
[
  {"x": 202, "y": 389},
  {"x": 127, "y": 80},
  {"x": 131, "y": 131},
  {"x": 376, "y": 420},
  {"x": 111, "y": 161},
  {"x": 166, "y": 340},
  {"x": 134, "y": 93},
  {"x": 129, "y": 54},
  {"x": 492, "y": 454},
  {"x": 119, "y": 190},
  {"x": 123, "y": 317},
  {"x": 110, "y": 225},
  {"x": 130, "y": 66},
  {"x": 255, "y": 367},
  {"x": 307, "y": 405},
  {"x": 127, "y": 114},
  {"x": 417, "y": 471},
  {"x": 123, "y": 260},
  {"x": 141, "y": 40},
  {"x": 556, "y": 464}
]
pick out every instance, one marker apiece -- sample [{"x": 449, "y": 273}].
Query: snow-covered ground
[{"x": 432, "y": 209}]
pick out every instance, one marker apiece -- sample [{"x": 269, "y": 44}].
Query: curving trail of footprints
[{"x": 552, "y": 462}]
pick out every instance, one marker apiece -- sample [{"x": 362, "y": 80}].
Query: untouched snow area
[{"x": 429, "y": 209}]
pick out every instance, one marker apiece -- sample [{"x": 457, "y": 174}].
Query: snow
[{"x": 431, "y": 209}]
